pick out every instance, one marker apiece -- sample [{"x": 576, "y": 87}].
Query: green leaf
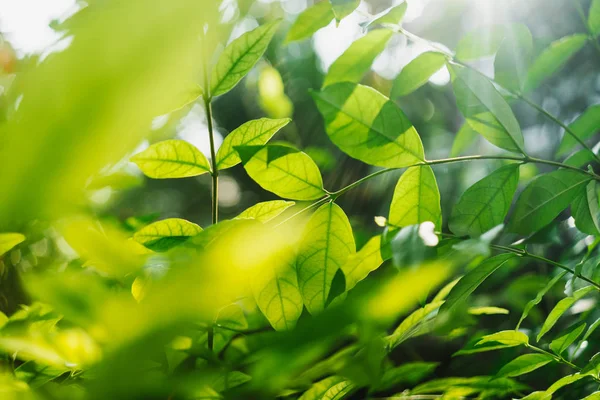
[
  {"x": 579, "y": 159},
  {"x": 593, "y": 396},
  {"x": 539, "y": 296},
  {"x": 479, "y": 43},
  {"x": 352, "y": 65},
  {"x": 368, "y": 126},
  {"x": 593, "y": 367},
  {"x": 485, "y": 204},
  {"x": 8, "y": 241},
  {"x": 566, "y": 338},
  {"x": 524, "y": 364},
  {"x": 553, "y": 58},
  {"x": 343, "y": 8},
  {"x": 360, "y": 264},
  {"x": 266, "y": 210},
  {"x": 326, "y": 245},
  {"x": 475, "y": 277},
  {"x": 310, "y": 20},
  {"x": 229, "y": 320},
  {"x": 283, "y": 170},
  {"x": 252, "y": 133},
  {"x": 416, "y": 199},
  {"x": 513, "y": 58},
  {"x": 171, "y": 159},
  {"x": 393, "y": 15},
  {"x": 406, "y": 374},
  {"x": 564, "y": 381},
  {"x": 411, "y": 324},
  {"x": 417, "y": 72},
  {"x": 275, "y": 288},
  {"x": 584, "y": 127},
  {"x": 585, "y": 210},
  {"x": 487, "y": 311},
  {"x": 589, "y": 332},
  {"x": 239, "y": 57},
  {"x": 560, "y": 308},
  {"x": 464, "y": 139},
  {"x": 331, "y": 388},
  {"x": 544, "y": 198},
  {"x": 594, "y": 18},
  {"x": 499, "y": 388},
  {"x": 508, "y": 338},
  {"x": 165, "y": 234},
  {"x": 485, "y": 109}
]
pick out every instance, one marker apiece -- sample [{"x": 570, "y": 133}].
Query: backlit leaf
[
  {"x": 283, "y": 170},
  {"x": 229, "y": 320},
  {"x": 524, "y": 364},
  {"x": 411, "y": 324},
  {"x": 485, "y": 204},
  {"x": 343, "y": 8},
  {"x": 368, "y": 126},
  {"x": 513, "y": 57},
  {"x": 485, "y": 109},
  {"x": 171, "y": 159},
  {"x": 360, "y": 264},
  {"x": 325, "y": 247},
  {"x": 594, "y": 18},
  {"x": 487, "y": 311},
  {"x": 585, "y": 210},
  {"x": 417, "y": 72},
  {"x": 352, "y": 65},
  {"x": 584, "y": 127},
  {"x": 566, "y": 338},
  {"x": 481, "y": 42},
  {"x": 8, "y": 241},
  {"x": 239, "y": 57},
  {"x": 310, "y": 20},
  {"x": 539, "y": 296},
  {"x": 393, "y": 15},
  {"x": 416, "y": 199},
  {"x": 165, "y": 234},
  {"x": 266, "y": 210},
  {"x": 332, "y": 388},
  {"x": 507, "y": 338},
  {"x": 544, "y": 198},
  {"x": 252, "y": 133}
]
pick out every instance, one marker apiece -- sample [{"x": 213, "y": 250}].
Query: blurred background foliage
[{"x": 119, "y": 79}]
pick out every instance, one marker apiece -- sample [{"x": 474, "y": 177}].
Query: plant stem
[{"x": 555, "y": 357}]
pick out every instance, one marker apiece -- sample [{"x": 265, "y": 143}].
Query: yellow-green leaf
[
  {"x": 393, "y": 15},
  {"x": 331, "y": 388},
  {"x": 165, "y": 234},
  {"x": 171, "y": 159},
  {"x": 487, "y": 311},
  {"x": 524, "y": 364},
  {"x": 239, "y": 57},
  {"x": 325, "y": 247},
  {"x": 566, "y": 338},
  {"x": 560, "y": 308},
  {"x": 409, "y": 326},
  {"x": 343, "y": 8},
  {"x": 416, "y": 199},
  {"x": 363, "y": 262},
  {"x": 310, "y": 20},
  {"x": 252, "y": 133},
  {"x": 267, "y": 210},
  {"x": 8, "y": 241},
  {"x": 417, "y": 72},
  {"x": 506, "y": 338},
  {"x": 366, "y": 125}
]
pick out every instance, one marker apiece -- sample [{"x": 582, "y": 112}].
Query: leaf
[
  {"x": 539, "y": 296},
  {"x": 585, "y": 210},
  {"x": 8, "y": 241},
  {"x": 360, "y": 264},
  {"x": 485, "y": 109},
  {"x": 171, "y": 159},
  {"x": 481, "y": 42},
  {"x": 475, "y": 277},
  {"x": 501, "y": 386},
  {"x": 416, "y": 199},
  {"x": 593, "y": 367},
  {"x": 283, "y": 170},
  {"x": 166, "y": 234},
  {"x": 252, "y": 133},
  {"x": 553, "y": 58},
  {"x": 393, "y": 15},
  {"x": 487, "y": 311},
  {"x": 513, "y": 58},
  {"x": 352, "y": 65},
  {"x": 343, "y": 8},
  {"x": 464, "y": 139},
  {"x": 229, "y": 320},
  {"x": 584, "y": 127},
  {"x": 411, "y": 324},
  {"x": 239, "y": 57},
  {"x": 524, "y": 364},
  {"x": 566, "y": 338},
  {"x": 331, "y": 388},
  {"x": 560, "y": 308},
  {"x": 266, "y": 211},
  {"x": 593, "y": 396},
  {"x": 275, "y": 288},
  {"x": 309, "y": 21},
  {"x": 544, "y": 198},
  {"x": 367, "y": 126},
  {"x": 417, "y": 72},
  {"x": 594, "y": 18},
  {"x": 485, "y": 204},
  {"x": 589, "y": 332},
  {"x": 325, "y": 247},
  {"x": 406, "y": 374},
  {"x": 507, "y": 338},
  {"x": 564, "y": 381}
]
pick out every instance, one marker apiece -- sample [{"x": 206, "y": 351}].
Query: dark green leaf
[
  {"x": 566, "y": 338},
  {"x": 585, "y": 210},
  {"x": 417, "y": 73}
]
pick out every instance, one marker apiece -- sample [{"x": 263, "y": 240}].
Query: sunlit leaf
[
  {"x": 513, "y": 58},
  {"x": 416, "y": 199},
  {"x": 252, "y": 133},
  {"x": 507, "y": 338},
  {"x": 417, "y": 72},
  {"x": 310, "y": 20},
  {"x": 524, "y": 364},
  {"x": 343, "y": 8},
  {"x": 589, "y": 332},
  {"x": 501, "y": 387},
  {"x": 544, "y": 198},
  {"x": 539, "y": 296},
  {"x": 360, "y": 264},
  {"x": 325, "y": 247},
  {"x": 566, "y": 338},
  {"x": 485, "y": 109},
  {"x": 352, "y": 65},
  {"x": 393, "y": 15},
  {"x": 585, "y": 210},
  {"x": 239, "y": 57},
  {"x": 368, "y": 126},
  {"x": 332, "y": 388},
  {"x": 8, "y": 241},
  {"x": 283, "y": 170},
  {"x": 165, "y": 234},
  {"x": 468, "y": 283},
  {"x": 171, "y": 159},
  {"x": 479, "y": 43},
  {"x": 487, "y": 311},
  {"x": 266, "y": 210},
  {"x": 411, "y": 324},
  {"x": 230, "y": 319},
  {"x": 584, "y": 127},
  {"x": 562, "y": 307},
  {"x": 553, "y": 58},
  {"x": 485, "y": 204}
]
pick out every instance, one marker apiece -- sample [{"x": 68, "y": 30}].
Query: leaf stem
[{"x": 555, "y": 357}]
